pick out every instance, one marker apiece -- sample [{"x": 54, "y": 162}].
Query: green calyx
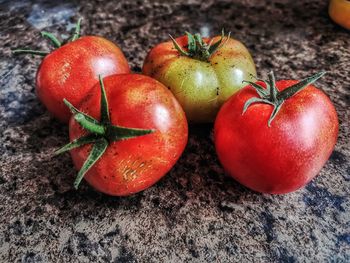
[
  {"x": 271, "y": 95},
  {"x": 101, "y": 134},
  {"x": 197, "y": 48},
  {"x": 54, "y": 41}
]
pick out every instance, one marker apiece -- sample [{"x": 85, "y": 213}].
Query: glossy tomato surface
[
  {"x": 72, "y": 70},
  {"x": 132, "y": 165},
  {"x": 201, "y": 87},
  {"x": 281, "y": 158}
]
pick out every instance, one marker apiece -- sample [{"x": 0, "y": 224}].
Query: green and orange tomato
[{"x": 202, "y": 73}]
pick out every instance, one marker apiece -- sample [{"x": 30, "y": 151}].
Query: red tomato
[
  {"x": 288, "y": 154},
  {"x": 70, "y": 72},
  {"x": 129, "y": 165}
]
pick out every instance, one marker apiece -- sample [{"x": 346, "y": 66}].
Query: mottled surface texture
[{"x": 196, "y": 213}]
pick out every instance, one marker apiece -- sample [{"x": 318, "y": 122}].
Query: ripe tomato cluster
[{"x": 128, "y": 130}]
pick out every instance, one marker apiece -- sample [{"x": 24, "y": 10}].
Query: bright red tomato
[
  {"x": 72, "y": 69},
  {"x": 288, "y": 154},
  {"x": 151, "y": 137}
]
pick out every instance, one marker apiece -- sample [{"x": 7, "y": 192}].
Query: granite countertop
[{"x": 196, "y": 213}]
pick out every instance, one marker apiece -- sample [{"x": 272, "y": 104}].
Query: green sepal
[
  {"x": 86, "y": 121},
  {"x": 76, "y": 34},
  {"x": 198, "y": 39},
  {"x": 88, "y": 125},
  {"x": 97, "y": 151},
  {"x": 191, "y": 43},
  {"x": 104, "y": 103},
  {"x": 51, "y": 37},
  {"x": 117, "y": 133},
  {"x": 30, "y": 52},
  {"x": 178, "y": 48},
  {"x": 274, "y": 97},
  {"x": 273, "y": 88},
  {"x": 290, "y": 91},
  {"x": 102, "y": 133},
  {"x": 214, "y": 47},
  {"x": 90, "y": 138},
  {"x": 276, "y": 108},
  {"x": 197, "y": 48},
  {"x": 263, "y": 93},
  {"x": 254, "y": 100},
  {"x": 76, "y": 111}
]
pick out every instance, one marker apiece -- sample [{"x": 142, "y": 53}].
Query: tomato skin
[
  {"x": 201, "y": 87},
  {"x": 132, "y": 165},
  {"x": 281, "y": 158},
  {"x": 70, "y": 72},
  {"x": 339, "y": 11}
]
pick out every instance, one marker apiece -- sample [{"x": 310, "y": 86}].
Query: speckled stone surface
[{"x": 196, "y": 213}]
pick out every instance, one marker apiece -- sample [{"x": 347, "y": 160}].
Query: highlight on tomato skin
[
  {"x": 202, "y": 73},
  {"x": 126, "y": 140},
  {"x": 276, "y": 141},
  {"x": 72, "y": 69}
]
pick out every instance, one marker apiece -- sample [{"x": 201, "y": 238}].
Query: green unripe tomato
[{"x": 202, "y": 73}]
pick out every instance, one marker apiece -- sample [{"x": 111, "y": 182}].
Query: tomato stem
[
  {"x": 271, "y": 95},
  {"x": 101, "y": 133},
  {"x": 197, "y": 48}
]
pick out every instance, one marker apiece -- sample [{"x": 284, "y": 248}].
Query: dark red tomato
[
  {"x": 70, "y": 72},
  {"x": 132, "y": 161},
  {"x": 286, "y": 155}
]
